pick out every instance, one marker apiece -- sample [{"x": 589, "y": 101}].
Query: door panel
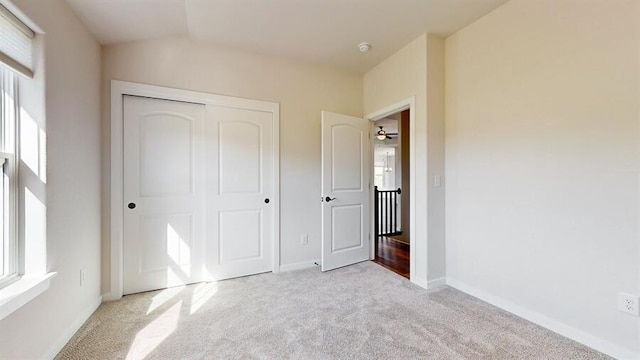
[
  {"x": 165, "y": 236},
  {"x": 239, "y": 181},
  {"x": 240, "y": 236},
  {"x": 347, "y": 156},
  {"x": 346, "y": 228},
  {"x": 166, "y": 155},
  {"x": 240, "y": 155},
  {"x": 345, "y": 183},
  {"x": 164, "y": 188}
]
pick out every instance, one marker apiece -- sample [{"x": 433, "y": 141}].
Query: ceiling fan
[{"x": 383, "y": 135}]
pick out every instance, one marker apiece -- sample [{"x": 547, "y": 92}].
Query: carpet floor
[{"x": 358, "y": 312}]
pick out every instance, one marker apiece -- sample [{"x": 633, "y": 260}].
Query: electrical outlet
[
  {"x": 83, "y": 276},
  {"x": 628, "y": 303},
  {"x": 304, "y": 239}
]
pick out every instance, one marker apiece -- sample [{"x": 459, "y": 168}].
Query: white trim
[
  {"x": 20, "y": 292},
  {"x": 11, "y": 218},
  {"x": 72, "y": 329},
  {"x": 554, "y": 325},
  {"x": 111, "y": 296},
  {"x": 300, "y": 265},
  {"x": 423, "y": 283},
  {"x": 276, "y": 188},
  {"x": 436, "y": 282},
  {"x": 121, "y": 88},
  {"x": 405, "y": 104}
]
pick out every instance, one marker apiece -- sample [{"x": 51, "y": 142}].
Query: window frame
[{"x": 9, "y": 153}]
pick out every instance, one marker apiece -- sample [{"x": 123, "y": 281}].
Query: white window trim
[
  {"x": 12, "y": 219},
  {"x": 17, "y": 294}
]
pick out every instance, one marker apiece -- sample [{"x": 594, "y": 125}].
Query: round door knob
[
  {"x": 131, "y": 206},
  {"x": 266, "y": 201}
]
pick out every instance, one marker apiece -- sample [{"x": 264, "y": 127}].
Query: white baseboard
[
  {"x": 299, "y": 266},
  {"x": 110, "y": 297},
  {"x": 436, "y": 282},
  {"x": 554, "y": 325},
  {"x": 423, "y": 283},
  {"x": 68, "y": 334}
]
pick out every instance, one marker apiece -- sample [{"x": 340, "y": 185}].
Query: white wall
[
  {"x": 542, "y": 161},
  {"x": 399, "y": 77},
  {"x": 303, "y": 90},
  {"x": 65, "y": 104}
]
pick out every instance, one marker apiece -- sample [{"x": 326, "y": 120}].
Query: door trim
[
  {"x": 406, "y": 104},
  {"x": 121, "y": 88}
]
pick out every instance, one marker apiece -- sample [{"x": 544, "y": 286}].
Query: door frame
[
  {"x": 406, "y": 104},
  {"x": 121, "y": 88}
]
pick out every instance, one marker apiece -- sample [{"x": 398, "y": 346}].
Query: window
[
  {"x": 8, "y": 177},
  {"x": 23, "y": 273},
  {"x": 15, "y": 58}
]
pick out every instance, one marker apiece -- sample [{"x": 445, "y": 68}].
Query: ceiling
[{"x": 319, "y": 31}]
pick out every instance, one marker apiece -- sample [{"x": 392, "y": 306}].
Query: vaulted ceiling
[{"x": 319, "y": 31}]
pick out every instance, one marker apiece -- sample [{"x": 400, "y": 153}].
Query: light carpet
[{"x": 358, "y": 312}]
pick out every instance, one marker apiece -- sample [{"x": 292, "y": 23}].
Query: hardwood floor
[{"x": 393, "y": 255}]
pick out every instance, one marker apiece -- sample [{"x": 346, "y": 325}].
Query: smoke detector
[{"x": 364, "y": 47}]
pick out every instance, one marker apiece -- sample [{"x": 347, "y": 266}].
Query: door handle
[
  {"x": 329, "y": 199},
  {"x": 131, "y": 206},
  {"x": 266, "y": 201}
]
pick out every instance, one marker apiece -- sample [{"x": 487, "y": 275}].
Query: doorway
[{"x": 391, "y": 197}]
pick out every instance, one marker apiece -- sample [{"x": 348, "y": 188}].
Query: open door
[{"x": 345, "y": 190}]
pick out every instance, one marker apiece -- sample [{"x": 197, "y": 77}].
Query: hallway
[{"x": 393, "y": 255}]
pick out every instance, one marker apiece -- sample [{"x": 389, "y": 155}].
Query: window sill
[{"x": 17, "y": 294}]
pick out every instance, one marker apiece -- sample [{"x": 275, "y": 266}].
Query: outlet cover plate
[
  {"x": 83, "y": 276},
  {"x": 628, "y": 303}
]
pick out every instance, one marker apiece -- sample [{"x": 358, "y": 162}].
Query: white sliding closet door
[
  {"x": 199, "y": 190},
  {"x": 163, "y": 193},
  {"x": 240, "y": 190}
]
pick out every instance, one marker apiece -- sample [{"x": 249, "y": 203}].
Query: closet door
[
  {"x": 164, "y": 193},
  {"x": 240, "y": 191}
]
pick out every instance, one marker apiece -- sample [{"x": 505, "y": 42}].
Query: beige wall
[
  {"x": 303, "y": 90},
  {"x": 542, "y": 164},
  {"x": 64, "y": 101},
  {"x": 435, "y": 158},
  {"x": 401, "y": 76}
]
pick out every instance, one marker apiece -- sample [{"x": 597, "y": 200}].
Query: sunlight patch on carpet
[
  {"x": 155, "y": 333},
  {"x": 201, "y": 294},
  {"x": 163, "y": 297}
]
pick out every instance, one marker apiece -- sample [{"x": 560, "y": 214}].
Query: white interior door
[
  {"x": 163, "y": 193},
  {"x": 240, "y": 191},
  {"x": 345, "y": 190}
]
